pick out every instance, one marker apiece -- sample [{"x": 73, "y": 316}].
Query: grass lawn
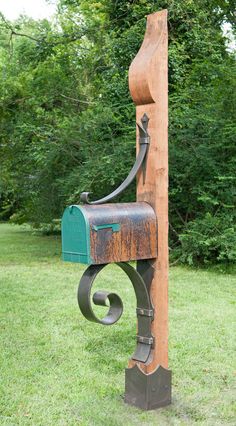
[{"x": 59, "y": 369}]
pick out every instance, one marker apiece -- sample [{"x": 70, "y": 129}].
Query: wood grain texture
[
  {"x": 148, "y": 82},
  {"x": 136, "y": 239}
]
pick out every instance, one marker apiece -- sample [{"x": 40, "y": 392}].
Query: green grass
[{"x": 59, "y": 369}]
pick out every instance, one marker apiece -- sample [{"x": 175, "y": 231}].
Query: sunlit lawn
[{"x": 59, "y": 369}]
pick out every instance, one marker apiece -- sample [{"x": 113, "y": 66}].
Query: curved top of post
[{"x": 142, "y": 71}]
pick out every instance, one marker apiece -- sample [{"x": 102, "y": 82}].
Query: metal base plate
[{"x": 147, "y": 391}]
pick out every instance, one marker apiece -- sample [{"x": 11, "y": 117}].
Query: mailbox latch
[{"x": 114, "y": 226}]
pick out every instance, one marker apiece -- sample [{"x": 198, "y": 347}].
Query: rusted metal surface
[{"x": 136, "y": 239}]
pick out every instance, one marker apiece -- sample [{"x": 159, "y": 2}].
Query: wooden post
[{"x": 148, "y": 83}]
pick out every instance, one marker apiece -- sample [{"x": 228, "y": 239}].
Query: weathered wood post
[
  {"x": 148, "y": 83},
  {"x": 99, "y": 232}
]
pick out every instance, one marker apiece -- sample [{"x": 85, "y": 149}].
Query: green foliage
[
  {"x": 68, "y": 123},
  {"x": 209, "y": 239}
]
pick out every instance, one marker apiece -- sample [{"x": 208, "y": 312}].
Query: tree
[{"x": 68, "y": 122}]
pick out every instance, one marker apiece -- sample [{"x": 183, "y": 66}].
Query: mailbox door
[{"x": 75, "y": 236}]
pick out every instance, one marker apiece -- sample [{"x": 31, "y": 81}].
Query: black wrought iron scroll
[
  {"x": 144, "y": 141},
  {"x": 144, "y": 309}
]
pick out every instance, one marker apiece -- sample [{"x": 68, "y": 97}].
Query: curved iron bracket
[
  {"x": 144, "y": 141},
  {"x": 145, "y": 311}
]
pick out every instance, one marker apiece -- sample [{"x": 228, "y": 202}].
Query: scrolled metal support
[
  {"x": 99, "y": 298},
  {"x": 144, "y": 141},
  {"x": 145, "y": 312}
]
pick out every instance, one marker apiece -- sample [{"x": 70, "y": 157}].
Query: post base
[{"x": 148, "y": 391}]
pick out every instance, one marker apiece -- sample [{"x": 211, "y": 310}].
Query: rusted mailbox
[
  {"x": 97, "y": 233},
  {"x": 108, "y": 233}
]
